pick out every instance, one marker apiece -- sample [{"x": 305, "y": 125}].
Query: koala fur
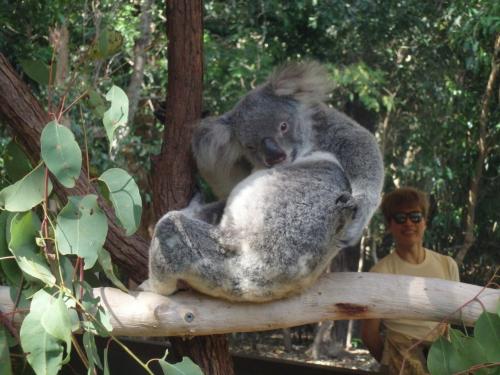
[{"x": 297, "y": 181}]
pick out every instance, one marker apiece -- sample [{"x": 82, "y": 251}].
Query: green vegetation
[{"x": 421, "y": 75}]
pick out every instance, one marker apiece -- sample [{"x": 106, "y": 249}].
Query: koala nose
[{"x": 273, "y": 153}]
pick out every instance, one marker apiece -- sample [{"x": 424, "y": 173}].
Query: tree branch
[{"x": 337, "y": 296}]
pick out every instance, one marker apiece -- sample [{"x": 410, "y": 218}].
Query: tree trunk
[
  {"x": 173, "y": 187},
  {"x": 134, "y": 87},
  {"x": 483, "y": 149},
  {"x": 25, "y": 117},
  {"x": 137, "y": 78}
]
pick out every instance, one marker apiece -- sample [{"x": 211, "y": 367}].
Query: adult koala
[{"x": 297, "y": 181}]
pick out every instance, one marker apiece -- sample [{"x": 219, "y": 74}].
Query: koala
[
  {"x": 297, "y": 181},
  {"x": 282, "y": 119}
]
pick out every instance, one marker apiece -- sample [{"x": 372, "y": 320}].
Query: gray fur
[{"x": 296, "y": 193}]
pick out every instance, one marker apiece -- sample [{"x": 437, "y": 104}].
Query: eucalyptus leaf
[
  {"x": 96, "y": 103},
  {"x": 101, "y": 324},
  {"x": 438, "y": 360},
  {"x": 23, "y": 231},
  {"x": 104, "y": 260},
  {"x": 91, "y": 349},
  {"x": 67, "y": 270},
  {"x": 37, "y": 70},
  {"x": 125, "y": 197},
  {"x": 61, "y": 153},
  {"x": 487, "y": 333},
  {"x": 16, "y": 163},
  {"x": 81, "y": 228},
  {"x": 56, "y": 321},
  {"x": 470, "y": 353},
  {"x": 5, "y": 367},
  {"x": 117, "y": 114},
  {"x": 9, "y": 267},
  {"x": 43, "y": 351},
  {"x": 185, "y": 367},
  {"x": 25, "y": 193},
  {"x": 107, "y": 44}
]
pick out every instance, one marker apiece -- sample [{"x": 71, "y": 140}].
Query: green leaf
[
  {"x": 23, "y": 231},
  {"x": 44, "y": 351},
  {"x": 9, "y": 267},
  {"x": 185, "y": 367},
  {"x": 25, "y": 193},
  {"x": 37, "y": 70},
  {"x": 438, "y": 360},
  {"x": 5, "y": 367},
  {"x": 117, "y": 114},
  {"x": 108, "y": 43},
  {"x": 125, "y": 197},
  {"x": 67, "y": 270},
  {"x": 57, "y": 321},
  {"x": 16, "y": 163},
  {"x": 469, "y": 352},
  {"x": 61, "y": 153},
  {"x": 96, "y": 103},
  {"x": 104, "y": 260},
  {"x": 487, "y": 333},
  {"x": 81, "y": 228},
  {"x": 91, "y": 349},
  {"x": 92, "y": 305}
]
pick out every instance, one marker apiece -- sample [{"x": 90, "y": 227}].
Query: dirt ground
[{"x": 271, "y": 345}]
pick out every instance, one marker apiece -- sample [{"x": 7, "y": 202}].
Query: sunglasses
[{"x": 401, "y": 217}]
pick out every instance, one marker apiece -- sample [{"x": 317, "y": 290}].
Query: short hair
[{"x": 405, "y": 196}]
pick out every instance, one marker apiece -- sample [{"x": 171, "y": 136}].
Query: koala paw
[{"x": 195, "y": 204}]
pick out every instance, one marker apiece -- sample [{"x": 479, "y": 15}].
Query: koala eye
[
  {"x": 250, "y": 147},
  {"x": 283, "y": 127}
]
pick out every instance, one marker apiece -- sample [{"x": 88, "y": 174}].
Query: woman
[{"x": 405, "y": 211}]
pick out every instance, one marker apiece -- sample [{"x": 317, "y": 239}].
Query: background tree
[{"x": 173, "y": 187}]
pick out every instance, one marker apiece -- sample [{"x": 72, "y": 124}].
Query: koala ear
[
  {"x": 307, "y": 82},
  {"x": 213, "y": 141},
  {"x": 215, "y": 149}
]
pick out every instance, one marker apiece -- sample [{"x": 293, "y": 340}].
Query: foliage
[
  {"x": 45, "y": 249},
  {"x": 462, "y": 353},
  {"x": 415, "y": 72}
]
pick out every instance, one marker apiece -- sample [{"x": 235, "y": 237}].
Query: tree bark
[
  {"x": 173, "y": 187},
  {"x": 483, "y": 149},
  {"x": 25, "y": 117}
]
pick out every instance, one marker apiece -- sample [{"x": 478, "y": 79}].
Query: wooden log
[{"x": 336, "y": 296}]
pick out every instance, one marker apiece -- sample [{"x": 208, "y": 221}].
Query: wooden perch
[{"x": 337, "y": 296}]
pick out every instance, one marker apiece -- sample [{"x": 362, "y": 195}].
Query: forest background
[{"x": 423, "y": 76}]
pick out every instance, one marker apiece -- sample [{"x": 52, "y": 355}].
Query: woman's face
[{"x": 407, "y": 226}]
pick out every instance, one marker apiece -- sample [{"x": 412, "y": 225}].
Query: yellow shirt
[{"x": 434, "y": 265}]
